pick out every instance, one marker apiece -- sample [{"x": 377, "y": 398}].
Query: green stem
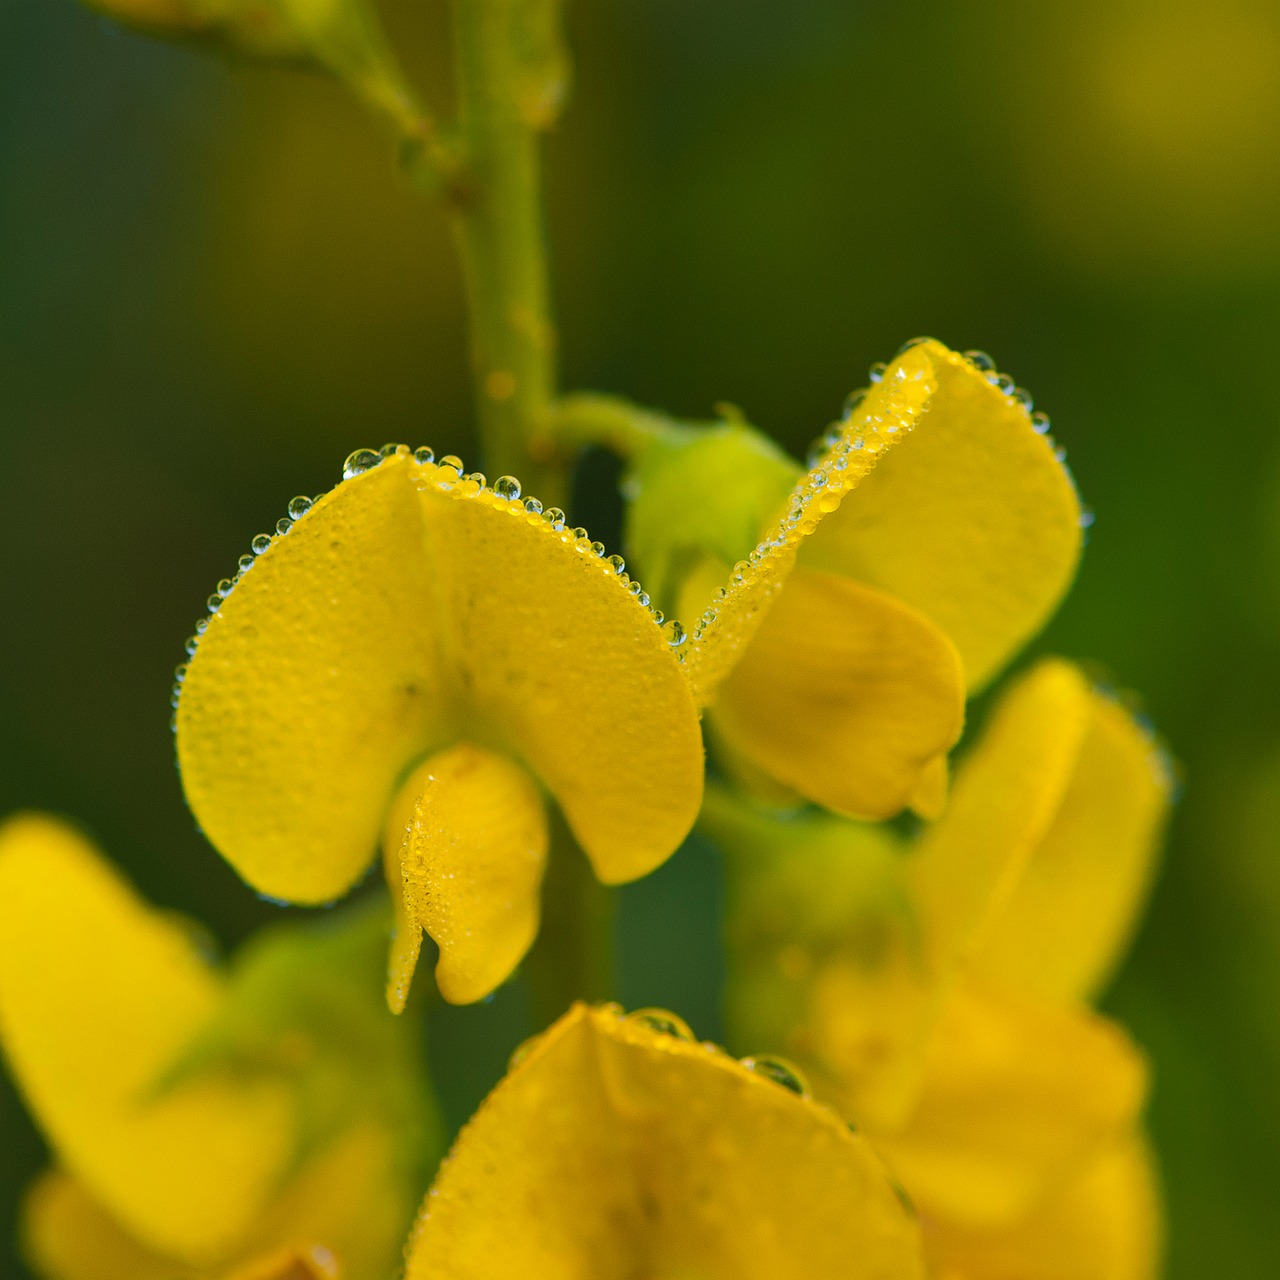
[
  {"x": 628, "y": 429},
  {"x": 572, "y": 958},
  {"x": 498, "y": 223}
]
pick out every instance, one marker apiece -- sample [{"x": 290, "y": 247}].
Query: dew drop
[
  {"x": 1024, "y": 398},
  {"x": 1041, "y": 423},
  {"x": 643, "y": 599},
  {"x": 581, "y": 534},
  {"x": 478, "y": 478},
  {"x": 390, "y": 450},
  {"x": 507, "y": 487},
  {"x": 877, "y": 370},
  {"x": 283, "y": 525},
  {"x": 225, "y": 586},
  {"x": 533, "y": 506},
  {"x": 202, "y": 625},
  {"x": 180, "y": 673},
  {"x": 1087, "y": 518},
  {"x": 1060, "y": 452},
  {"x": 853, "y": 401},
  {"x": 675, "y": 633},
  {"x": 422, "y": 456},
  {"x": 260, "y": 543},
  {"x": 1003, "y": 382},
  {"x": 617, "y": 563},
  {"x": 634, "y": 587},
  {"x": 244, "y": 564},
  {"x": 359, "y": 462},
  {"x": 779, "y": 1072},
  {"x": 554, "y": 517},
  {"x": 980, "y": 360},
  {"x": 911, "y": 342},
  {"x": 214, "y": 603},
  {"x": 453, "y": 462},
  {"x": 299, "y": 507},
  {"x": 659, "y": 617},
  {"x": 192, "y": 644},
  {"x": 598, "y": 548},
  {"x": 664, "y": 1022}
]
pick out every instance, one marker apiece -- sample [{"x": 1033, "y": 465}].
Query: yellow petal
[
  {"x": 970, "y": 518},
  {"x": 886, "y": 417},
  {"x": 612, "y": 1150},
  {"x": 1104, "y": 1225},
  {"x": 844, "y": 694},
  {"x": 408, "y": 609},
  {"x": 1074, "y": 908},
  {"x": 67, "y": 1235},
  {"x": 99, "y": 994},
  {"x": 468, "y": 838},
  {"x": 1004, "y": 799},
  {"x": 1017, "y": 1097}
]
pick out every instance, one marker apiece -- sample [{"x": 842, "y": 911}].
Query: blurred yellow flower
[
  {"x": 936, "y": 994},
  {"x": 928, "y": 541},
  {"x": 219, "y": 1169},
  {"x": 620, "y": 1147},
  {"x": 415, "y": 659}
]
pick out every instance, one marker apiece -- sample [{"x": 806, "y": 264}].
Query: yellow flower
[
  {"x": 927, "y": 543},
  {"x": 619, "y": 1147},
  {"x": 217, "y": 1168},
  {"x": 417, "y": 659},
  {"x": 937, "y": 994}
]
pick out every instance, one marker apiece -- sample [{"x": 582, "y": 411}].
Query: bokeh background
[{"x": 213, "y": 286}]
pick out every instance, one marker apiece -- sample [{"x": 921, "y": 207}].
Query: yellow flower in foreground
[
  {"x": 936, "y": 994},
  {"x": 415, "y": 660},
  {"x": 929, "y": 541},
  {"x": 100, "y": 998},
  {"x": 617, "y": 1147}
]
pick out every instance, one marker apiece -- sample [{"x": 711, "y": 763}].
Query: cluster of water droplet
[
  {"x": 1020, "y": 395},
  {"x": 449, "y": 475}
]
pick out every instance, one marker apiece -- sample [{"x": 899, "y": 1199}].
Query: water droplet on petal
[
  {"x": 911, "y": 342},
  {"x": 478, "y": 478},
  {"x": 876, "y": 372},
  {"x": 225, "y": 586},
  {"x": 360, "y": 461},
  {"x": 779, "y": 1072},
  {"x": 634, "y": 587},
  {"x": 192, "y": 644},
  {"x": 1003, "y": 382},
  {"x": 180, "y": 673},
  {"x": 1024, "y": 398},
  {"x": 852, "y": 403},
  {"x": 533, "y": 506},
  {"x": 581, "y": 534},
  {"x": 214, "y": 603},
  {"x": 422, "y": 456},
  {"x": 453, "y": 462},
  {"x": 260, "y": 543},
  {"x": 1041, "y": 423},
  {"x": 643, "y": 599},
  {"x": 507, "y": 487},
  {"x": 617, "y": 563},
  {"x": 659, "y": 617},
  {"x": 675, "y": 634},
  {"x": 664, "y": 1022},
  {"x": 202, "y": 625},
  {"x": 1087, "y": 518},
  {"x": 554, "y": 517},
  {"x": 390, "y": 450},
  {"x": 598, "y": 548},
  {"x": 980, "y": 360},
  {"x": 299, "y": 507}
]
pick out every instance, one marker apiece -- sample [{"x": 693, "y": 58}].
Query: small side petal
[
  {"x": 1018, "y": 1096},
  {"x": 1006, "y": 795},
  {"x": 972, "y": 518},
  {"x": 612, "y": 1150},
  {"x": 1073, "y": 911},
  {"x": 845, "y": 695},
  {"x": 466, "y": 865},
  {"x": 1105, "y": 1224},
  {"x": 89, "y": 974}
]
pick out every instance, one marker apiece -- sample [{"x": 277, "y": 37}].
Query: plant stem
[
  {"x": 572, "y": 958},
  {"x": 498, "y": 223}
]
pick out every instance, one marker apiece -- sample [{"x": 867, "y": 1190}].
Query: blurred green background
[{"x": 212, "y": 287}]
